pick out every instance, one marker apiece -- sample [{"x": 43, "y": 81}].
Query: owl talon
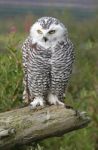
[
  {"x": 36, "y": 108},
  {"x": 37, "y": 102},
  {"x": 53, "y": 100}
]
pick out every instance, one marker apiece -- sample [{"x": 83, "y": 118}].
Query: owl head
[{"x": 48, "y": 31}]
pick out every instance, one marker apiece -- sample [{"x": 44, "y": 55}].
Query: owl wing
[
  {"x": 25, "y": 49},
  {"x": 69, "y": 58}
]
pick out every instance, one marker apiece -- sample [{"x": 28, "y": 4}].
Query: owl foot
[
  {"x": 53, "y": 100},
  {"x": 38, "y": 101}
]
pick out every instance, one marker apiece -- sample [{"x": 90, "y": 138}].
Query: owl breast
[{"x": 39, "y": 70}]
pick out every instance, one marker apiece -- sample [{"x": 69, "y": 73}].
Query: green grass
[
  {"x": 82, "y": 91},
  {"x": 11, "y": 74}
]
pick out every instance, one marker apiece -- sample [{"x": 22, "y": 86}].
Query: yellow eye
[
  {"x": 39, "y": 31},
  {"x": 51, "y": 32}
]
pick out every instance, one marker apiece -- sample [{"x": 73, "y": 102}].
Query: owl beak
[{"x": 45, "y": 39}]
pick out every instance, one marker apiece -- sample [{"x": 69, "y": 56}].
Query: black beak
[{"x": 45, "y": 39}]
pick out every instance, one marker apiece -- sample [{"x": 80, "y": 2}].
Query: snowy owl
[{"x": 47, "y": 62}]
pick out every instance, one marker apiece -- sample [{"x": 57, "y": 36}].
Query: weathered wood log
[{"x": 22, "y": 126}]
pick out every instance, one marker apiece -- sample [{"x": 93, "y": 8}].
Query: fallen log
[{"x": 22, "y": 126}]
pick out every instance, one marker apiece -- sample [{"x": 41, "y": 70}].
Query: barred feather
[{"x": 47, "y": 70}]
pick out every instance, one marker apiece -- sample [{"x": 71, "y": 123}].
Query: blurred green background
[{"x": 82, "y": 23}]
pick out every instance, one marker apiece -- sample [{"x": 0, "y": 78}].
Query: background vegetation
[{"x": 83, "y": 87}]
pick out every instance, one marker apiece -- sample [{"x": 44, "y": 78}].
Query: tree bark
[{"x": 22, "y": 126}]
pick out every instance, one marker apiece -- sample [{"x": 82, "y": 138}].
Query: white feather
[
  {"x": 53, "y": 39},
  {"x": 38, "y": 101},
  {"x": 53, "y": 99}
]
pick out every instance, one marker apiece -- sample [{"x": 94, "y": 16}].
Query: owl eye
[
  {"x": 39, "y": 31},
  {"x": 51, "y": 32}
]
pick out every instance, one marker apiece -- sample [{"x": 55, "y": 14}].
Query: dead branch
[{"x": 22, "y": 126}]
